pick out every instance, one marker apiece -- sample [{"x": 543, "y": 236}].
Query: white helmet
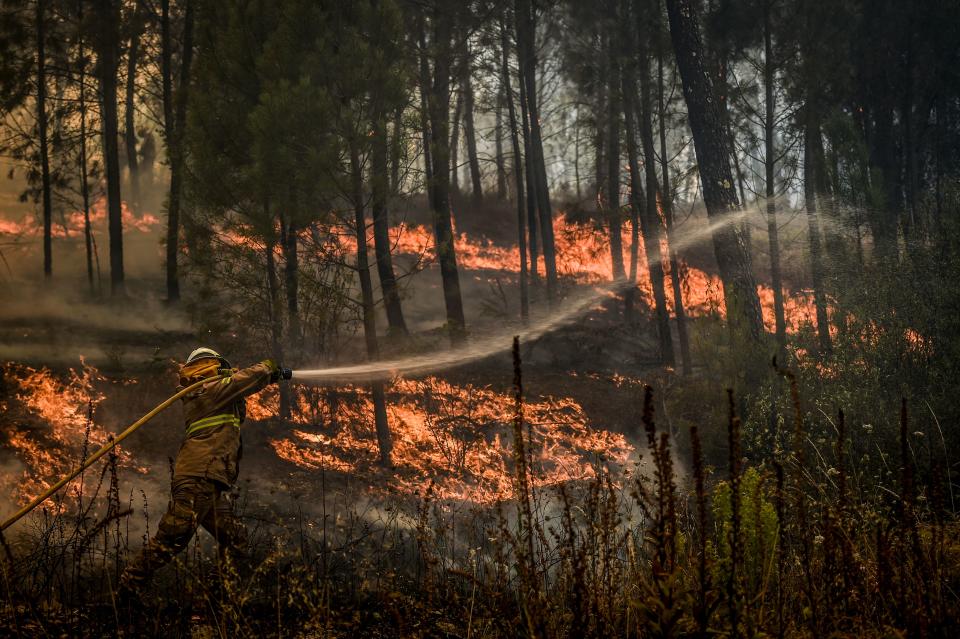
[{"x": 203, "y": 353}]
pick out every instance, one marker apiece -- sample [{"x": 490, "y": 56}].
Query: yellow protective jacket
[{"x": 212, "y": 446}]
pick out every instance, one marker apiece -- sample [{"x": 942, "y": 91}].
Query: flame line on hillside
[{"x": 494, "y": 344}]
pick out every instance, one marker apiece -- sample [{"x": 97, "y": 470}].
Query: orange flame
[
  {"x": 583, "y": 256},
  {"x": 50, "y": 425},
  {"x": 73, "y": 223},
  {"x": 459, "y": 437}
]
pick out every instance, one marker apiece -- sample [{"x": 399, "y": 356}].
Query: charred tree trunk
[
  {"x": 637, "y": 200},
  {"x": 532, "y": 223},
  {"x": 719, "y": 54},
  {"x": 426, "y": 140},
  {"x": 108, "y": 16},
  {"x": 291, "y": 273},
  {"x": 396, "y": 150},
  {"x": 599, "y": 172},
  {"x": 276, "y": 323},
  {"x": 885, "y": 223},
  {"x": 637, "y": 195},
  {"x": 469, "y": 132},
  {"x": 498, "y": 148},
  {"x": 384, "y": 441},
  {"x": 526, "y": 46},
  {"x": 576, "y": 157},
  {"x": 379, "y": 179},
  {"x": 811, "y": 134},
  {"x": 439, "y": 104},
  {"x": 84, "y": 176},
  {"x": 129, "y": 126},
  {"x": 518, "y": 173},
  {"x": 42, "y": 134},
  {"x": 666, "y": 200},
  {"x": 713, "y": 156},
  {"x": 175, "y": 120},
  {"x": 455, "y": 145},
  {"x": 652, "y": 234},
  {"x": 769, "y": 160},
  {"x": 613, "y": 164}
]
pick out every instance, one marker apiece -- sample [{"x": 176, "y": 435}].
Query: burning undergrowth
[
  {"x": 456, "y": 437},
  {"x": 48, "y": 426},
  {"x": 583, "y": 258}
]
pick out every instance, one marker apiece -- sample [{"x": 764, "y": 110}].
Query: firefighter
[{"x": 207, "y": 464}]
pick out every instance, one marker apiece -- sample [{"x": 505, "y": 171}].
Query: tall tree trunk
[
  {"x": 291, "y": 272},
  {"x": 528, "y": 59},
  {"x": 613, "y": 163},
  {"x": 652, "y": 234},
  {"x": 455, "y": 144},
  {"x": 276, "y": 323},
  {"x": 769, "y": 160},
  {"x": 599, "y": 173},
  {"x": 84, "y": 176},
  {"x": 384, "y": 441},
  {"x": 439, "y": 103},
  {"x": 811, "y": 133},
  {"x": 129, "y": 126},
  {"x": 713, "y": 157},
  {"x": 532, "y": 222},
  {"x": 938, "y": 173},
  {"x": 424, "y": 86},
  {"x": 175, "y": 120},
  {"x": 498, "y": 148},
  {"x": 637, "y": 195},
  {"x": 42, "y": 133},
  {"x": 469, "y": 132},
  {"x": 884, "y": 222},
  {"x": 518, "y": 173},
  {"x": 719, "y": 54},
  {"x": 396, "y": 150},
  {"x": 666, "y": 201},
  {"x": 381, "y": 226},
  {"x": 576, "y": 157},
  {"x": 108, "y": 16}
]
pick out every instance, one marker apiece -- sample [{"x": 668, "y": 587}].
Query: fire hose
[{"x": 92, "y": 459}]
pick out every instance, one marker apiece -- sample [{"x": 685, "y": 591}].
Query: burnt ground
[{"x": 596, "y": 360}]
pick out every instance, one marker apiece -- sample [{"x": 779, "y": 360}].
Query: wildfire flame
[
  {"x": 458, "y": 437},
  {"x": 49, "y": 425},
  {"x": 583, "y": 257},
  {"x": 72, "y": 223}
]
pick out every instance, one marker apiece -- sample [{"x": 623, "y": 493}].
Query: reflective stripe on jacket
[
  {"x": 212, "y": 447},
  {"x": 213, "y": 420}
]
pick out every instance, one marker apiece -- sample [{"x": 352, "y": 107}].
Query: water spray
[{"x": 494, "y": 344}]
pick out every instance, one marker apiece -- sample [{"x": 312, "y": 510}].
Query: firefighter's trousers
[{"x": 195, "y": 502}]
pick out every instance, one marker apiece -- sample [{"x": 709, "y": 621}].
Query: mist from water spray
[{"x": 501, "y": 342}]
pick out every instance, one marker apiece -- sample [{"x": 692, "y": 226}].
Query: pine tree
[{"x": 717, "y": 180}]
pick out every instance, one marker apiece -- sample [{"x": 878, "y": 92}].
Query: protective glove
[
  {"x": 274, "y": 369},
  {"x": 278, "y": 372}
]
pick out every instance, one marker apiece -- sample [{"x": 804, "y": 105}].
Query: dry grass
[{"x": 789, "y": 547}]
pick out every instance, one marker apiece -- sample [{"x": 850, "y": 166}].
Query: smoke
[
  {"x": 57, "y": 323},
  {"x": 499, "y": 342}
]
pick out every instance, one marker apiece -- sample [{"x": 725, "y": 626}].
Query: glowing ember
[{"x": 459, "y": 437}]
